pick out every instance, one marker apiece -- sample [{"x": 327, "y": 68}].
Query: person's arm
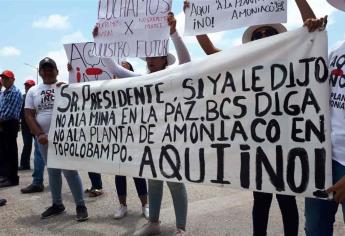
[
  {"x": 117, "y": 70},
  {"x": 339, "y": 191},
  {"x": 181, "y": 49},
  {"x": 305, "y": 10},
  {"x": 30, "y": 118}
]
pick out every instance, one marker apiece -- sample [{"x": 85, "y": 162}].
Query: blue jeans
[
  {"x": 55, "y": 181},
  {"x": 320, "y": 214},
  {"x": 179, "y": 196},
  {"x": 38, "y": 172}
]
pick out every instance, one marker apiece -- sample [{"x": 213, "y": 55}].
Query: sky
[{"x": 34, "y": 29}]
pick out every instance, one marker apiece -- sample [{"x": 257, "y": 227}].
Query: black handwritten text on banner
[
  {"x": 210, "y": 16},
  {"x": 251, "y": 118},
  {"x": 132, "y": 28}
]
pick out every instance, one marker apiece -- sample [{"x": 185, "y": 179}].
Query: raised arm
[
  {"x": 305, "y": 10},
  {"x": 118, "y": 70},
  {"x": 181, "y": 49},
  {"x": 206, "y": 44}
]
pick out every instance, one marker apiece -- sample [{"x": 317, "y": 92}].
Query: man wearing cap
[
  {"x": 320, "y": 214},
  {"x": 262, "y": 201},
  {"x": 37, "y": 175},
  {"x": 26, "y": 133},
  {"x": 39, "y": 105},
  {"x": 10, "y": 105}
]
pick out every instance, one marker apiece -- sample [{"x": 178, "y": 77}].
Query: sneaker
[
  {"x": 33, "y": 188},
  {"x": 121, "y": 212},
  {"x": 148, "y": 229},
  {"x": 145, "y": 211},
  {"x": 53, "y": 211},
  {"x": 82, "y": 214},
  {"x": 180, "y": 232}
]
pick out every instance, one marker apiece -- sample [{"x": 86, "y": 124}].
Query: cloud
[
  {"x": 52, "y": 22},
  {"x": 9, "y": 51},
  {"x": 76, "y": 37},
  {"x": 59, "y": 56},
  {"x": 337, "y": 44}
]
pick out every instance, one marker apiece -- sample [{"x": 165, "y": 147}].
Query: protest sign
[
  {"x": 85, "y": 66},
  {"x": 132, "y": 28},
  {"x": 254, "y": 117},
  {"x": 210, "y": 16}
]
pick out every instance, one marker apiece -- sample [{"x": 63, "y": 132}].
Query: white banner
[
  {"x": 210, "y": 16},
  {"x": 253, "y": 117},
  {"x": 85, "y": 66},
  {"x": 132, "y": 28}
]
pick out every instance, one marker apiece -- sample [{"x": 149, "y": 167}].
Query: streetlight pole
[{"x": 27, "y": 64}]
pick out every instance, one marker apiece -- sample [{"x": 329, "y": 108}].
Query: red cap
[
  {"x": 8, "y": 74},
  {"x": 30, "y": 82}
]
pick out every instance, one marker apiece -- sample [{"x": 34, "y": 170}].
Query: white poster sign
[
  {"x": 250, "y": 118},
  {"x": 210, "y": 16},
  {"x": 130, "y": 28},
  {"x": 85, "y": 66}
]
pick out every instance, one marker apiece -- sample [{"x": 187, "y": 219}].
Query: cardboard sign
[
  {"x": 209, "y": 16},
  {"x": 132, "y": 28}
]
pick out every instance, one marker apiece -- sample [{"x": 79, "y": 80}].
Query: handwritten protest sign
[
  {"x": 86, "y": 67},
  {"x": 251, "y": 118},
  {"x": 132, "y": 28},
  {"x": 210, "y": 16}
]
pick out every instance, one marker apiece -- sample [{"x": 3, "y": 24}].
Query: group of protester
[{"x": 36, "y": 113}]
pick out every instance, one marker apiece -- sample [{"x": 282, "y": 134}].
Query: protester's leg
[
  {"x": 289, "y": 210},
  {"x": 27, "y": 147},
  {"x": 319, "y": 217},
  {"x": 179, "y": 196},
  {"x": 261, "y": 208},
  {"x": 338, "y": 173},
  {"x": 96, "y": 180},
  {"x": 2, "y": 152},
  {"x": 54, "y": 175},
  {"x": 155, "y": 198},
  {"x": 121, "y": 188},
  {"x": 75, "y": 184},
  {"x": 320, "y": 214},
  {"x": 11, "y": 130},
  {"x": 38, "y": 172},
  {"x": 140, "y": 185}
]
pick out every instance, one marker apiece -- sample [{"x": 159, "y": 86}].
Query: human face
[
  {"x": 7, "y": 82},
  {"x": 263, "y": 32},
  {"x": 48, "y": 74},
  {"x": 126, "y": 65},
  {"x": 155, "y": 64}
]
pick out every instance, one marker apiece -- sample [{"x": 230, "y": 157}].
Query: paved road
[{"x": 212, "y": 211}]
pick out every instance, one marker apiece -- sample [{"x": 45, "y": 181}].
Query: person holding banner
[
  {"x": 177, "y": 190},
  {"x": 39, "y": 105},
  {"x": 320, "y": 214},
  {"x": 121, "y": 182},
  {"x": 262, "y": 201}
]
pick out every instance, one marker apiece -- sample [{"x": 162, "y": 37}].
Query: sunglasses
[{"x": 263, "y": 33}]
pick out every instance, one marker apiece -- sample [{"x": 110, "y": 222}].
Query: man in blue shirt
[{"x": 10, "y": 105}]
